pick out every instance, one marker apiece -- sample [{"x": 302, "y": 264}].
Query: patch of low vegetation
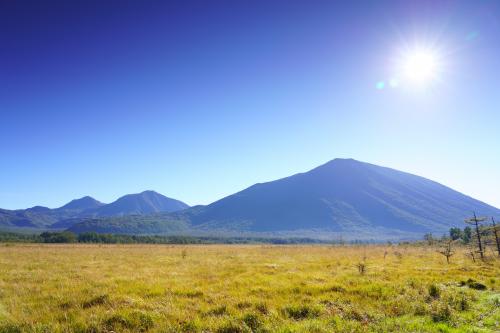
[
  {"x": 229, "y": 288},
  {"x": 300, "y": 312},
  {"x": 473, "y": 284},
  {"x": 135, "y": 321},
  {"x": 98, "y": 300}
]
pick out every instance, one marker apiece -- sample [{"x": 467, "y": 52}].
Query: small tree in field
[
  {"x": 476, "y": 223},
  {"x": 429, "y": 238},
  {"x": 455, "y": 233},
  {"x": 447, "y": 250},
  {"x": 496, "y": 232},
  {"x": 467, "y": 235}
]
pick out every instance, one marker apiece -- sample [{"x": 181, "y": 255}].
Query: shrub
[
  {"x": 233, "y": 327},
  {"x": 441, "y": 312},
  {"x": 99, "y": 300},
  {"x": 252, "y": 320},
  {"x": 337, "y": 289},
  {"x": 301, "y": 312},
  {"x": 361, "y": 268},
  {"x": 463, "y": 303},
  {"x": 477, "y": 286},
  {"x": 243, "y": 305},
  {"x": 218, "y": 311},
  {"x": 10, "y": 328},
  {"x": 193, "y": 294},
  {"x": 262, "y": 308},
  {"x": 473, "y": 284},
  {"x": 190, "y": 327},
  {"x": 434, "y": 291},
  {"x": 136, "y": 321},
  {"x": 117, "y": 322}
]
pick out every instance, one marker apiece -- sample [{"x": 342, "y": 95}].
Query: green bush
[
  {"x": 434, "y": 291},
  {"x": 98, "y": 300},
  {"x": 233, "y": 327},
  {"x": 301, "y": 312},
  {"x": 441, "y": 312},
  {"x": 10, "y": 328},
  {"x": 253, "y": 321},
  {"x": 218, "y": 311},
  {"x": 262, "y": 308},
  {"x": 136, "y": 321}
]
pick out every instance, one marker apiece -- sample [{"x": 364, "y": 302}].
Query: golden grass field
[{"x": 243, "y": 288}]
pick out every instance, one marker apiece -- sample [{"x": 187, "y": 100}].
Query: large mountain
[
  {"x": 147, "y": 202},
  {"x": 343, "y": 196}
]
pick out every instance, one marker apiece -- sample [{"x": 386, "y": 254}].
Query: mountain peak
[
  {"x": 340, "y": 166},
  {"x": 84, "y": 203},
  {"x": 145, "y": 202},
  {"x": 38, "y": 209},
  {"x": 149, "y": 192},
  {"x": 344, "y": 161}
]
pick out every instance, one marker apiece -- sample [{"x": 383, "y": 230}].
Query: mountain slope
[
  {"x": 36, "y": 217},
  {"x": 342, "y": 195},
  {"x": 130, "y": 224},
  {"x": 147, "y": 202}
]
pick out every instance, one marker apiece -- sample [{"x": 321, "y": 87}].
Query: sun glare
[
  {"x": 417, "y": 67},
  {"x": 420, "y": 66}
]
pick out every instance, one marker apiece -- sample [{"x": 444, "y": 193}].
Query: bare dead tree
[
  {"x": 447, "y": 250},
  {"x": 496, "y": 232},
  {"x": 476, "y": 222}
]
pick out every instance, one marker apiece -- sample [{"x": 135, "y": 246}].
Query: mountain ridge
[
  {"x": 340, "y": 196},
  {"x": 43, "y": 217}
]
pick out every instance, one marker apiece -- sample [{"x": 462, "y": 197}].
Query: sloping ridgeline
[{"x": 341, "y": 196}]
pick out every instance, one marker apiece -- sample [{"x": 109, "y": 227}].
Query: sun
[{"x": 419, "y": 66}]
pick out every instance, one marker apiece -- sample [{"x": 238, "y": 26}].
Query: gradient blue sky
[{"x": 200, "y": 99}]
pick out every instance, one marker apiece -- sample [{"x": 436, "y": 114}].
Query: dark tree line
[{"x": 97, "y": 238}]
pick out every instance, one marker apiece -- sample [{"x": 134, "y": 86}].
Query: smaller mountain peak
[
  {"x": 86, "y": 202},
  {"x": 39, "y": 209}
]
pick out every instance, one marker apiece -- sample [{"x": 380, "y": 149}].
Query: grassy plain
[{"x": 243, "y": 288}]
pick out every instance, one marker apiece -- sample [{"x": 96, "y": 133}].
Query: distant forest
[{"x": 97, "y": 238}]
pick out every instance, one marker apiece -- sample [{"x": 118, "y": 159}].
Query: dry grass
[{"x": 259, "y": 288}]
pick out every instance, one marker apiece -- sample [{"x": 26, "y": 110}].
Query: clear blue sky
[{"x": 200, "y": 99}]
